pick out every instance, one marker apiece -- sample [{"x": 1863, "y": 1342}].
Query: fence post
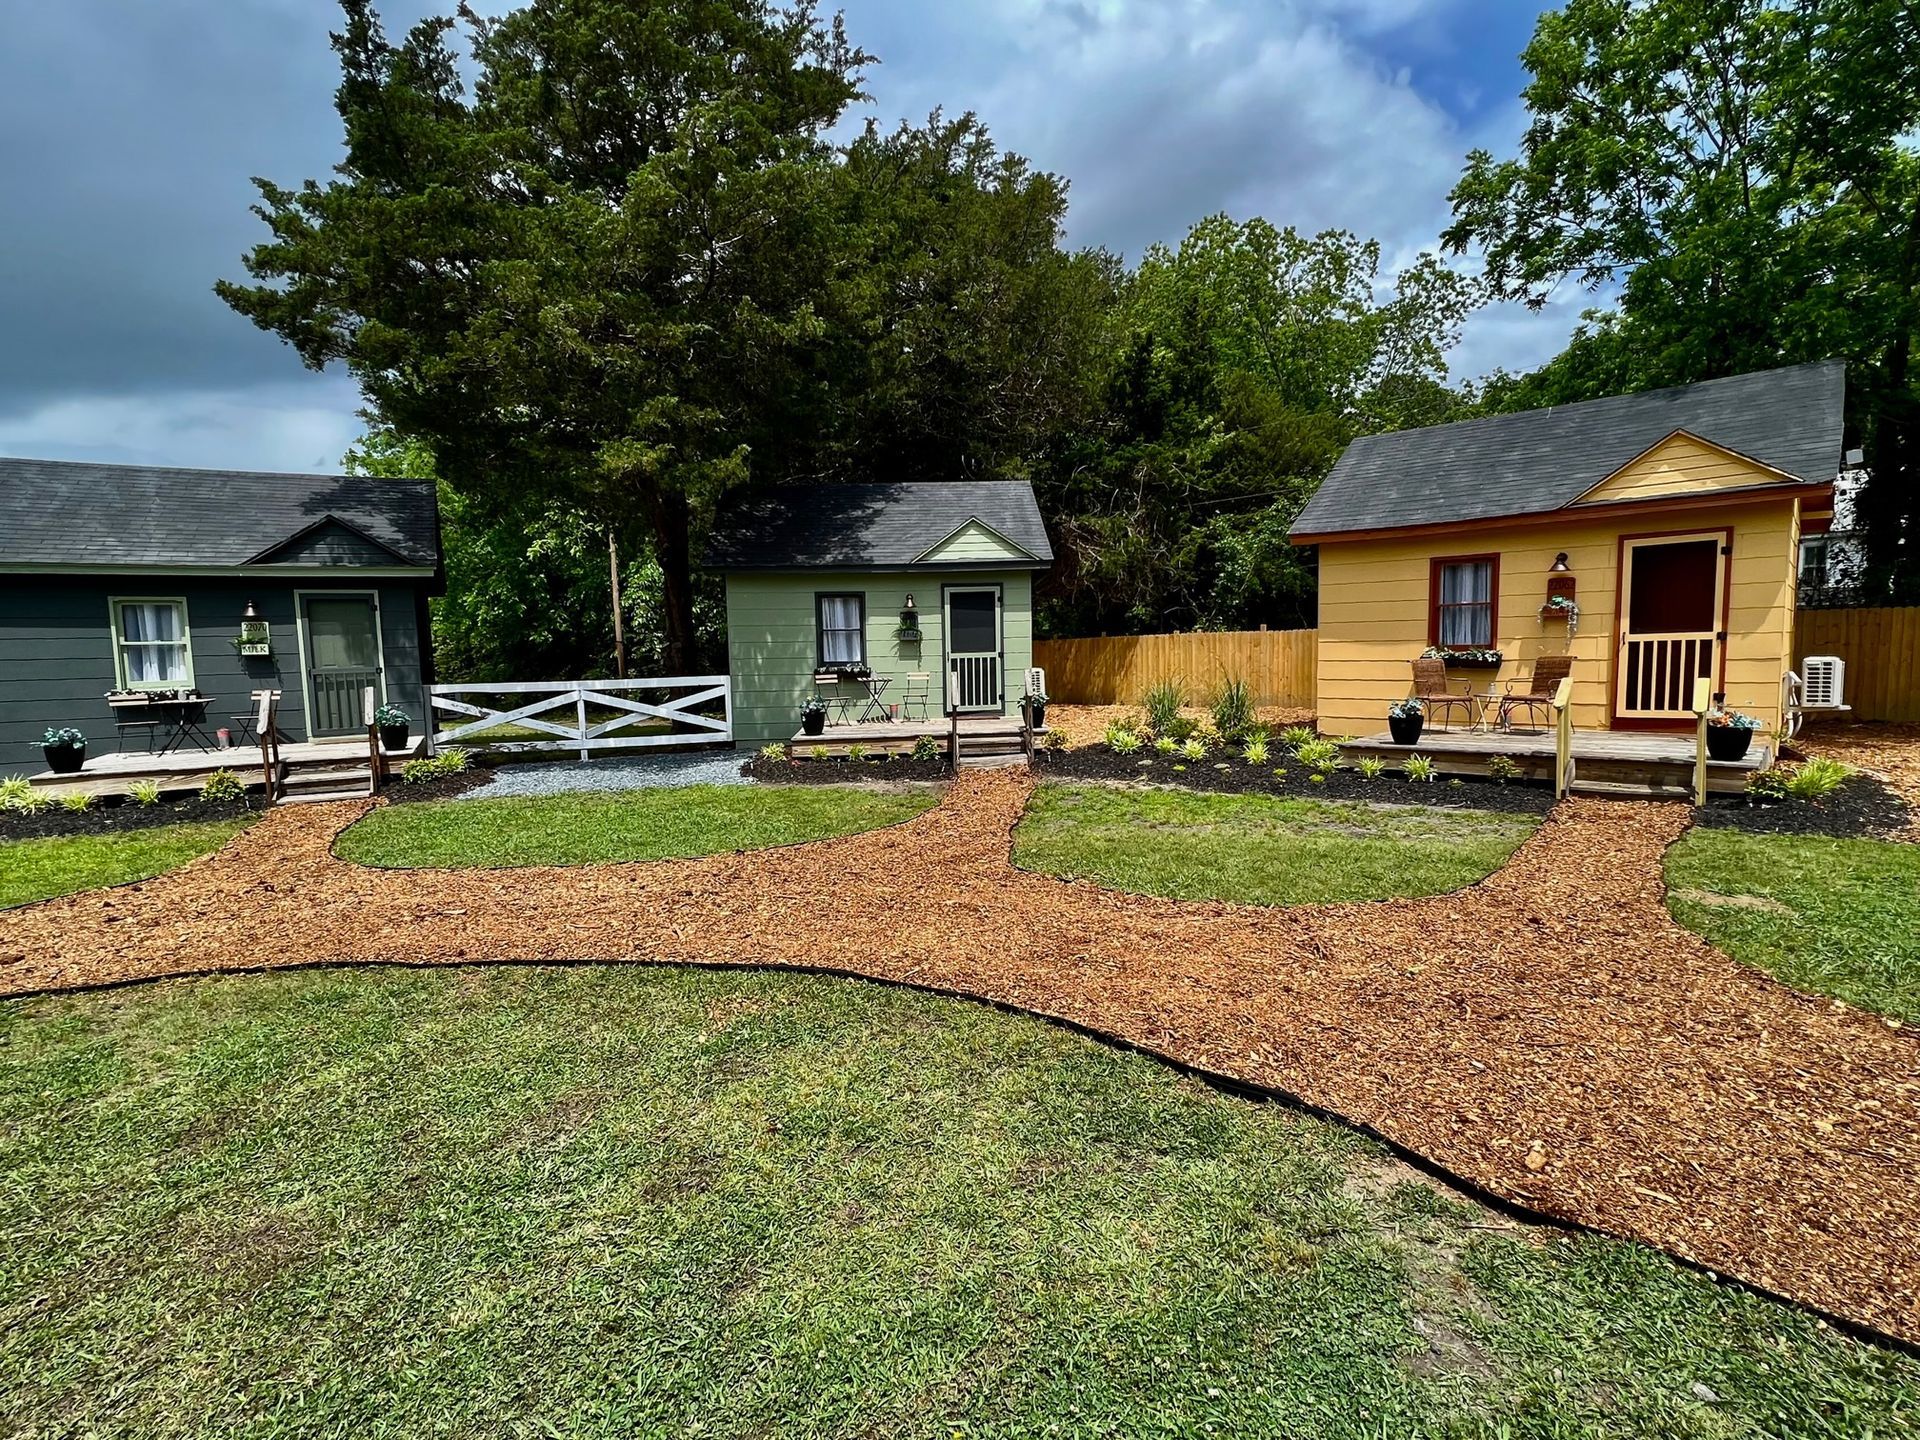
[
  {"x": 376, "y": 762},
  {"x": 1562, "y": 739},
  {"x": 580, "y": 712},
  {"x": 1702, "y": 702},
  {"x": 953, "y": 722},
  {"x": 263, "y": 727}
]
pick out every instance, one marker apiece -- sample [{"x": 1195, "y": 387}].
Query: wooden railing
[
  {"x": 1702, "y": 703},
  {"x": 376, "y": 757},
  {"x": 953, "y": 722},
  {"x": 977, "y": 681},
  {"x": 266, "y": 723},
  {"x": 685, "y": 726},
  {"x": 1563, "y": 739}
]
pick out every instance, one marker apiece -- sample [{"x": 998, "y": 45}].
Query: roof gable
[
  {"x": 882, "y": 527},
  {"x": 1789, "y": 421},
  {"x": 975, "y": 540},
  {"x": 329, "y": 541},
  {"x": 1682, "y": 464}
]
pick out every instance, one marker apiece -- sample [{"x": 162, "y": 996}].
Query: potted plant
[
  {"x": 1469, "y": 658},
  {"x": 813, "y": 716},
  {"x": 395, "y": 727},
  {"x": 1038, "y": 702},
  {"x": 65, "y": 749},
  {"x": 1729, "y": 733},
  {"x": 1406, "y": 720}
]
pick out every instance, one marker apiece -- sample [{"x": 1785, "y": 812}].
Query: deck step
[
  {"x": 318, "y": 797},
  {"x": 999, "y": 760},
  {"x": 329, "y": 779},
  {"x": 1630, "y": 790}
]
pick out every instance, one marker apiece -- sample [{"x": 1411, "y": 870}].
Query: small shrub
[
  {"x": 1179, "y": 769},
  {"x": 1814, "y": 780},
  {"x": 417, "y": 772},
  {"x": 1254, "y": 752},
  {"x": 1768, "y": 784},
  {"x": 455, "y": 760},
  {"x": 221, "y": 787},
  {"x": 76, "y": 801},
  {"x": 1181, "y": 729},
  {"x": 1418, "y": 767},
  {"x": 1162, "y": 703},
  {"x": 144, "y": 792},
  {"x": 818, "y": 752},
  {"x": 1318, "y": 754},
  {"x": 776, "y": 752},
  {"x": 1194, "y": 749},
  {"x": 1502, "y": 768},
  {"x": 451, "y": 761},
  {"x": 1165, "y": 745},
  {"x": 1456, "y": 783},
  {"x": 856, "y": 751},
  {"x": 1317, "y": 778},
  {"x": 1294, "y": 736},
  {"x": 1055, "y": 742},
  {"x": 1280, "y": 774},
  {"x": 1257, "y": 732},
  {"x": 1128, "y": 721},
  {"x": 1371, "y": 767},
  {"x": 926, "y": 748},
  {"x": 1233, "y": 710},
  {"x": 1122, "y": 742},
  {"x": 15, "y": 791}
]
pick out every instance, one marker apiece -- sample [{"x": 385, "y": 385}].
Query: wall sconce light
[
  {"x": 909, "y": 620},
  {"x": 1560, "y": 566}
]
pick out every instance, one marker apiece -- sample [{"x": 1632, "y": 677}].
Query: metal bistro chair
[
  {"x": 1548, "y": 672},
  {"x": 916, "y": 693},
  {"x": 829, "y": 688},
  {"x": 1431, "y": 690}
]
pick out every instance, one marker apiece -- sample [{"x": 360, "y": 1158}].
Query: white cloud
[{"x": 297, "y": 427}]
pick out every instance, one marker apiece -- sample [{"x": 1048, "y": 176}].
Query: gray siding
[
  {"x": 332, "y": 545},
  {"x": 56, "y": 652}
]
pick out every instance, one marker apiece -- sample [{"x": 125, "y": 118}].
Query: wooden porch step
[
  {"x": 1630, "y": 790},
  {"x": 320, "y": 797},
  {"x": 994, "y": 760}
]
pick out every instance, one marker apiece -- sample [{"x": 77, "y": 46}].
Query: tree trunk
[
  {"x": 619, "y": 620},
  {"x": 672, "y": 528}
]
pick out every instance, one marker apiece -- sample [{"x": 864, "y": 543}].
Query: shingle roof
[
  {"x": 63, "y": 512},
  {"x": 860, "y": 527},
  {"x": 1539, "y": 460}
]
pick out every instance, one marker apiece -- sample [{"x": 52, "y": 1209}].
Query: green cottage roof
[{"x": 990, "y": 524}]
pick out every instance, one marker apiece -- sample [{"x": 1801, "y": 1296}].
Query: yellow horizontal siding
[{"x": 1374, "y": 596}]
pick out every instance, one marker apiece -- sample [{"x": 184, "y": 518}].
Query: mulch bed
[
  {"x": 1235, "y": 777},
  {"x": 1550, "y": 1035},
  {"x": 1889, "y": 752},
  {"x": 112, "y": 816},
  {"x": 1863, "y": 808},
  {"x": 844, "y": 772},
  {"x": 399, "y": 792}
]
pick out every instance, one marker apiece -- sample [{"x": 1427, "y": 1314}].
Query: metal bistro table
[{"x": 181, "y": 718}]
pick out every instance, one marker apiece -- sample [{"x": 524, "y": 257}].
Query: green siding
[
  {"x": 772, "y": 647},
  {"x": 976, "y": 542}
]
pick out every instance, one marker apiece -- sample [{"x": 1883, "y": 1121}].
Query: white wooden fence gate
[{"x": 579, "y": 730}]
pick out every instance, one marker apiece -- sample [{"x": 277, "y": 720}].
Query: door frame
[
  {"x": 999, "y": 590},
  {"x": 1622, "y": 581},
  {"x": 372, "y": 598}
]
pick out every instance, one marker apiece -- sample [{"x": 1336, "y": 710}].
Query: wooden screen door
[
  {"x": 973, "y": 645},
  {"x": 343, "y": 658},
  {"x": 1673, "y": 588}
]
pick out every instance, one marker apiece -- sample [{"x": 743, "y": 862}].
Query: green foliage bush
[
  {"x": 1233, "y": 710},
  {"x": 1162, "y": 704},
  {"x": 144, "y": 792},
  {"x": 1193, "y": 748},
  {"x": 15, "y": 792},
  {"x": 1418, "y": 767},
  {"x": 1317, "y": 754},
  {"x": 451, "y": 761},
  {"x": 221, "y": 787},
  {"x": 1121, "y": 742},
  {"x": 1254, "y": 752},
  {"x": 1503, "y": 768},
  {"x": 1816, "y": 779},
  {"x": 927, "y": 748},
  {"x": 1294, "y": 736},
  {"x": 76, "y": 800},
  {"x": 1371, "y": 767}
]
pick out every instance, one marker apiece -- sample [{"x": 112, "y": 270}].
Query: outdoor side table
[{"x": 874, "y": 710}]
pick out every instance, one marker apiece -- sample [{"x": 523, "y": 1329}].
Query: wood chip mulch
[
  {"x": 1891, "y": 752},
  {"x": 1550, "y": 1035},
  {"x": 1087, "y": 724}
]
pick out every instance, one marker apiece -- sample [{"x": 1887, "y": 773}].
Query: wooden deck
[
  {"x": 112, "y": 773},
  {"x": 979, "y": 733},
  {"x": 1603, "y": 760}
]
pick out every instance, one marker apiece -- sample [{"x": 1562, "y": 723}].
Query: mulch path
[{"x": 1549, "y": 1035}]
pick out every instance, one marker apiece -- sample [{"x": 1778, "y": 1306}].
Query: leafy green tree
[
  {"x": 1741, "y": 174},
  {"x": 592, "y": 280},
  {"x": 1243, "y": 362}
]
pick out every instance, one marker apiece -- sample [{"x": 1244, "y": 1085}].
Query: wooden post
[
  {"x": 953, "y": 722},
  {"x": 1563, "y": 739},
  {"x": 580, "y": 713},
  {"x": 1026, "y": 727},
  {"x": 1702, "y": 702},
  {"x": 619, "y": 624},
  {"x": 368, "y": 709},
  {"x": 263, "y": 722}
]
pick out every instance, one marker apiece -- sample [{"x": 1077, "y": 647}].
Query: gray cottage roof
[
  {"x": 76, "y": 514},
  {"x": 871, "y": 527},
  {"x": 1538, "y": 460}
]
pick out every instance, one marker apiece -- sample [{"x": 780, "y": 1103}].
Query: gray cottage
[{"x": 132, "y": 580}]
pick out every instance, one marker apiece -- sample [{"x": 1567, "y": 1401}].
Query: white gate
[{"x": 585, "y": 715}]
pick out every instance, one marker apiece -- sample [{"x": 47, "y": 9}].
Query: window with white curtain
[
  {"x": 1463, "y": 605},
  {"x": 843, "y": 629},
  {"x": 150, "y": 644}
]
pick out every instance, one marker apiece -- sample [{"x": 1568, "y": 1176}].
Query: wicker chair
[
  {"x": 1430, "y": 689},
  {"x": 1548, "y": 672}
]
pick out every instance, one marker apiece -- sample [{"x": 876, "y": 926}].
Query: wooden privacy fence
[
  {"x": 1882, "y": 650},
  {"x": 1117, "y": 669},
  {"x": 584, "y": 715}
]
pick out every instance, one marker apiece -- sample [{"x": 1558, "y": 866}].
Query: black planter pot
[
  {"x": 394, "y": 737},
  {"x": 1040, "y": 717},
  {"x": 65, "y": 759},
  {"x": 1406, "y": 728},
  {"x": 813, "y": 724},
  {"x": 1728, "y": 742}
]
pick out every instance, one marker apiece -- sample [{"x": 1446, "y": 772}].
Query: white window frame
[{"x": 120, "y": 642}]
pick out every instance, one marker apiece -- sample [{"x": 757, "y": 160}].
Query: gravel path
[
  {"x": 1550, "y": 1035},
  {"x": 654, "y": 772}
]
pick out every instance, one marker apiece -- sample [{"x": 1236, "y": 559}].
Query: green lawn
[
  {"x": 39, "y": 869},
  {"x": 580, "y": 829},
  {"x": 1257, "y": 849},
  {"x": 628, "y": 1201},
  {"x": 1834, "y": 917}
]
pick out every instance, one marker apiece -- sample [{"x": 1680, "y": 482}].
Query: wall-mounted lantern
[
  {"x": 255, "y": 638},
  {"x": 909, "y": 618},
  {"x": 1561, "y": 604}
]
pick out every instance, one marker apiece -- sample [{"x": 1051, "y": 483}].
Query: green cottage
[{"x": 884, "y": 600}]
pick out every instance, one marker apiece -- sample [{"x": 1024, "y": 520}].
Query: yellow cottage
[{"x": 1653, "y": 537}]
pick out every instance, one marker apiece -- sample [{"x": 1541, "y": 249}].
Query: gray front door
[{"x": 343, "y": 658}]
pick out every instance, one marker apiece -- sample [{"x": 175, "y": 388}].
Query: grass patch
[
  {"x": 1833, "y": 917},
  {"x": 584, "y": 828},
  {"x": 60, "y": 865},
  {"x": 625, "y": 1201},
  {"x": 1257, "y": 849}
]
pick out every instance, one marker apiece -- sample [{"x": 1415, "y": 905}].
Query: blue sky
[{"x": 133, "y": 127}]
